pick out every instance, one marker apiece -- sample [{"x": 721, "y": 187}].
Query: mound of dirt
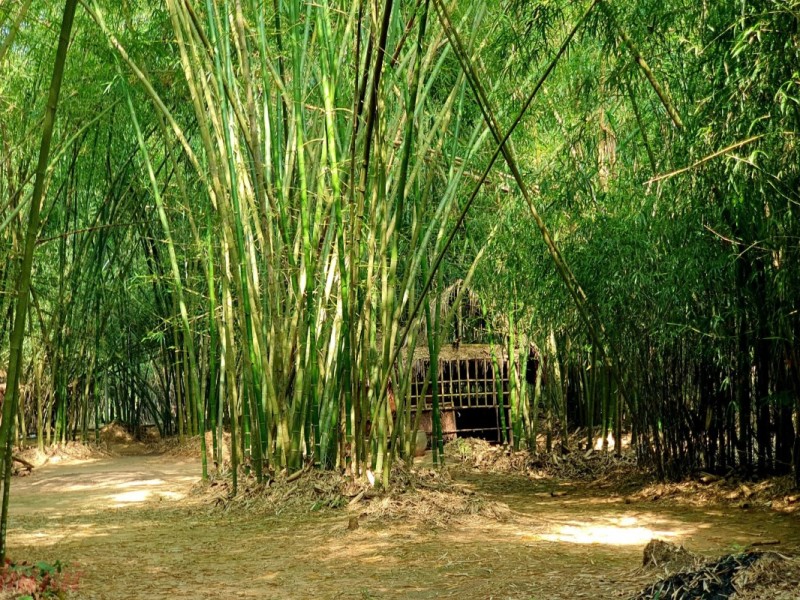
[
  {"x": 422, "y": 496},
  {"x": 746, "y": 576}
]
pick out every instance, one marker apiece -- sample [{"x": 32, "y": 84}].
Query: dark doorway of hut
[{"x": 472, "y": 387}]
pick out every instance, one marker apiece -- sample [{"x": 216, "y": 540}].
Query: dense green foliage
[{"x": 246, "y": 201}]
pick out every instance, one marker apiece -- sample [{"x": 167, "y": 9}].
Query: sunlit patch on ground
[
  {"x": 149, "y": 489},
  {"x": 53, "y": 537},
  {"x": 128, "y": 497},
  {"x": 623, "y": 531},
  {"x": 605, "y": 534},
  {"x": 54, "y": 460},
  {"x": 140, "y": 482},
  {"x": 105, "y": 484},
  {"x": 171, "y": 495},
  {"x": 93, "y": 485}
]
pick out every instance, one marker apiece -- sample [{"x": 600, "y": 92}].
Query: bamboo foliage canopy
[{"x": 252, "y": 210}]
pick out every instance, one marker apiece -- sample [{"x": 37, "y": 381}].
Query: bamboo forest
[{"x": 400, "y": 299}]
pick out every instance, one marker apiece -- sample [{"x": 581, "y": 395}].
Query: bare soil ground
[{"x": 133, "y": 527}]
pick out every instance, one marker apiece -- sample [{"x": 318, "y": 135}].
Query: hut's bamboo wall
[{"x": 471, "y": 394}]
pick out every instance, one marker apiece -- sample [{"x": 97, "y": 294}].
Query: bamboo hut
[
  {"x": 472, "y": 388},
  {"x": 472, "y": 382}
]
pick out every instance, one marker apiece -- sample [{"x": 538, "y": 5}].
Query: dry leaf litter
[
  {"x": 423, "y": 496},
  {"x": 747, "y": 575}
]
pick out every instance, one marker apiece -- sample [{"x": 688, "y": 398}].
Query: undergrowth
[{"x": 36, "y": 581}]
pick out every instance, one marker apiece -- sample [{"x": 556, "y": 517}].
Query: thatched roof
[{"x": 462, "y": 352}]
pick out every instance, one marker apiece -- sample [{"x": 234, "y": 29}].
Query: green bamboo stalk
[
  {"x": 586, "y": 312},
  {"x": 12, "y": 30},
  {"x": 217, "y": 441},
  {"x": 24, "y": 278},
  {"x": 193, "y": 388},
  {"x": 666, "y": 101},
  {"x": 515, "y": 412}
]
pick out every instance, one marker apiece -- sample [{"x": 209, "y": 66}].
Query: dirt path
[{"x": 127, "y": 524}]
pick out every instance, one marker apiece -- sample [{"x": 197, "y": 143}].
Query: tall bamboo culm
[{"x": 325, "y": 196}]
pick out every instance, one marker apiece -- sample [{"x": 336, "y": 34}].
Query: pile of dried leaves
[
  {"x": 772, "y": 577},
  {"x": 620, "y": 474},
  {"x": 480, "y": 455},
  {"x": 659, "y": 554},
  {"x": 422, "y": 496},
  {"x": 115, "y": 433},
  {"x": 745, "y": 576},
  {"x": 777, "y": 493},
  {"x": 595, "y": 466},
  {"x": 38, "y": 580},
  {"x": 188, "y": 447},
  {"x": 427, "y": 496},
  {"x": 191, "y": 447},
  {"x": 59, "y": 453}
]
